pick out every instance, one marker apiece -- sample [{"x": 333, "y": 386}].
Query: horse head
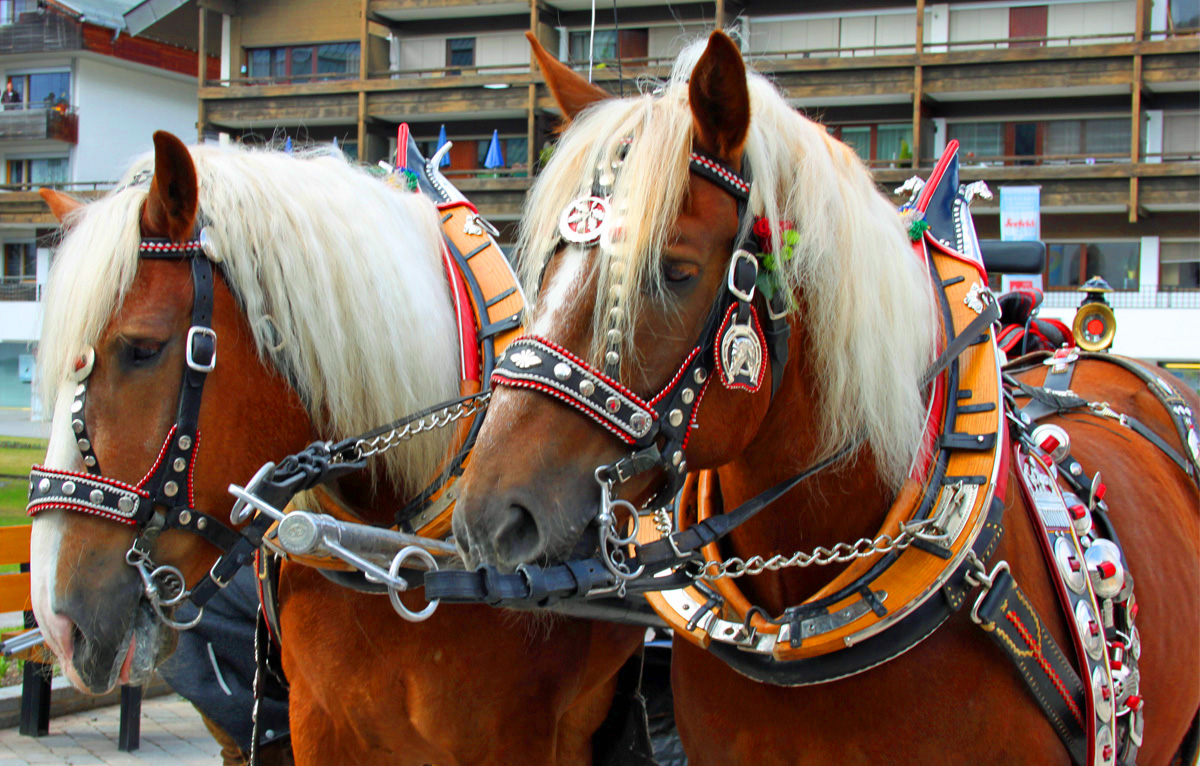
[
  {"x": 711, "y": 295},
  {"x": 151, "y": 423}
]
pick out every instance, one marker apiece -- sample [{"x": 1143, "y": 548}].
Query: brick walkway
[{"x": 172, "y": 733}]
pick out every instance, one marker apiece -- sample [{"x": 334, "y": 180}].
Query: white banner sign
[{"x": 1020, "y": 213}]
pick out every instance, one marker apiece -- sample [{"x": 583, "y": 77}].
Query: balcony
[
  {"x": 19, "y": 122},
  {"x": 1146, "y": 297},
  {"x": 41, "y": 32},
  {"x": 17, "y": 289}
]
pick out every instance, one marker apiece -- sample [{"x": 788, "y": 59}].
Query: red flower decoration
[{"x": 762, "y": 231}]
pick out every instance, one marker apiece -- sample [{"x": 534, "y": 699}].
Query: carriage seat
[{"x": 1020, "y": 329}]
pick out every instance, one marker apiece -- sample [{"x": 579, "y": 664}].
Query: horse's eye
[
  {"x": 678, "y": 272},
  {"x": 142, "y": 351}
]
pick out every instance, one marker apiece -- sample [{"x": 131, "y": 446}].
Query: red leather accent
[
  {"x": 1049, "y": 444},
  {"x": 468, "y": 349}
]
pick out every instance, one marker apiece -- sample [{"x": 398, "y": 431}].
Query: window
[
  {"x": 11, "y": 10},
  {"x": 460, "y": 51},
  {"x": 978, "y": 140},
  {"x": 42, "y": 171},
  {"x": 1179, "y": 265},
  {"x": 20, "y": 261},
  {"x": 301, "y": 63},
  {"x": 44, "y": 90},
  {"x": 1181, "y": 135},
  {"x": 1069, "y": 265},
  {"x": 634, "y": 44},
  {"x": 880, "y": 145},
  {"x": 1185, "y": 14}
]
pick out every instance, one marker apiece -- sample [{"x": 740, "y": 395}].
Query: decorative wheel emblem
[
  {"x": 584, "y": 220},
  {"x": 525, "y": 358}
]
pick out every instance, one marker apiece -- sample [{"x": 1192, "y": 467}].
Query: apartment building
[
  {"x": 1097, "y": 103},
  {"x": 84, "y": 99}
]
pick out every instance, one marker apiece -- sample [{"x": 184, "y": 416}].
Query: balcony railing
[
  {"x": 68, "y": 186},
  {"x": 20, "y": 122},
  {"x": 1146, "y": 297},
  {"x": 18, "y": 289}
]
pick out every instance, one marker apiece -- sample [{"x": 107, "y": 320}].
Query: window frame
[
  {"x": 24, "y": 277},
  {"x": 1083, "y": 264},
  {"x": 1171, "y": 241},
  {"x": 25, "y": 161},
  {"x": 290, "y": 77},
  {"x": 874, "y": 160},
  {"x": 450, "y": 52}
]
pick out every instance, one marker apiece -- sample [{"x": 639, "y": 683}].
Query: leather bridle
[{"x": 164, "y": 498}]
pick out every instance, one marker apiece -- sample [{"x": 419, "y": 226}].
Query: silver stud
[
  {"x": 640, "y": 422},
  {"x": 179, "y": 464},
  {"x": 699, "y": 376},
  {"x": 80, "y": 389},
  {"x": 185, "y": 442},
  {"x": 1025, "y": 417},
  {"x": 77, "y": 426},
  {"x": 979, "y": 438},
  {"x": 68, "y": 487},
  {"x": 606, "y": 179},
  {"x": 614, "y": 314},
  {"x": 677, "y": 458},
  {"x": 84, "y": 445},
  {"x": 207, "y": 246},
  {"x": 44, "y": 486},
  {"x": 89, "y": 461},
  {"x": 201, "y": 523},
  {"x": 1076, "y": 469},
  {"x": 675, "y": 417},
  {"x": 614, "y": 336},
  {"x": 687, "y": 396},
  {"x": 171, "y": 489},
  {"x": 185, "y": 517},
  {"x": 615, "y": 292},
  {"x": 612, "y": 404},
  {"x": 683, "y": 467},
  {"x": 612, "y": 358},
  {"x": 562, "y": 370},
  {"x": 586, "y": 387},
  {"x": 76, "y": 405},
  {"x": 125, "y": 504},
  {"x": 96, "y": 496}
]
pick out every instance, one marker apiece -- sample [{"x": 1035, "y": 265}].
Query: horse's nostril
[{"x": 516, "y": 539}]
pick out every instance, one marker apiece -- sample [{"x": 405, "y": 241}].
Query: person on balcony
[{"x": 12, "y": 97}]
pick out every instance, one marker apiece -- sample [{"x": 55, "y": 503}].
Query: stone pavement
[{"x": 172, "y": 734}]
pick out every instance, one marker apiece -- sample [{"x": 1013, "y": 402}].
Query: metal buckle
[
  {"x": 980, "y": 576},
  {"x": 733, "y": 288},
  {"x": 191, "y": 360},
  {"x": 771, "y": 309}
]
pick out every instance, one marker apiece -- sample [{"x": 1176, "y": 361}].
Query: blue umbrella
[
  {"x": 494, "y": 159},
  {"x": 287, "y": 145},
  {"x": 442, "y": 142}
]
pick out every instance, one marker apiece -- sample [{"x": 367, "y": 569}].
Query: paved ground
[
  {"x": 172, "y": 734},
  {"x": 17, "y": 423}
]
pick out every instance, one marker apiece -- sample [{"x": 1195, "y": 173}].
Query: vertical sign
[{"x": 1020, "y": 213}]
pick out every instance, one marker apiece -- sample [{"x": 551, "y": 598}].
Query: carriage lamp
[{"x": 1095, "y": 324}]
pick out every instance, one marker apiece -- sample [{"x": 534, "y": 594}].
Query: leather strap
[{"x": 1010, "y": 620}]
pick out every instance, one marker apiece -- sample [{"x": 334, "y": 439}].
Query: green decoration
[{"x": 917, "y": 229}]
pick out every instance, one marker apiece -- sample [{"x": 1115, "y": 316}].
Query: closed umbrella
[
  {"x": 494, "y": 159},
  {"x": 442, "y": 142}
]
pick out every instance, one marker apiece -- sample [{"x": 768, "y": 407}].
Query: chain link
[
  {"x": 376, "y": 445},
  {"x": 841, "y": 553}
]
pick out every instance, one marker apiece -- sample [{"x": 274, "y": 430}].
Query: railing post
[{"x": 201, "y": 71}]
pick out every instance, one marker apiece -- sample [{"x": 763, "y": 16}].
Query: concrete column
[
  {"x": 939, "y": 136},
  {"x": 1153, "y": 130},
  {"x": 226, "y": 48},
  {"x": 939, "y": 28},
  {"x": 1148, "y": 263}
]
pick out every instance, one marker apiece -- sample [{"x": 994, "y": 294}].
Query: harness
[{"x": 164, "y": 498}]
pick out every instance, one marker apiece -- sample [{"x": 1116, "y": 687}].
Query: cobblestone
[{"x": 172, "y": 734}]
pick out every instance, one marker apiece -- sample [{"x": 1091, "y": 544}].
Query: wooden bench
[{"x": 39, "y": 662}]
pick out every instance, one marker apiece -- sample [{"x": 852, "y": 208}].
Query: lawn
[{"x": 16, "y": 456}]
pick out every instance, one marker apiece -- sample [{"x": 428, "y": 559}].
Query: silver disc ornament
[{"x": 585, "y": 220}]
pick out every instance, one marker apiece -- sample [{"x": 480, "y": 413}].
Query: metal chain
[
  {"x": 736, "y": 567},
  {"x": 376, "y": 445}
]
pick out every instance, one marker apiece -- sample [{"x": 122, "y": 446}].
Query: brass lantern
[{"x": 1095, "y": 324}]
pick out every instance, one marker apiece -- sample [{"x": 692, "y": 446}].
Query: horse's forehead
[{"x": 160, "y": 290}]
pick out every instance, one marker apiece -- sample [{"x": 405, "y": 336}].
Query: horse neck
[{"x": 842, "y": 503}]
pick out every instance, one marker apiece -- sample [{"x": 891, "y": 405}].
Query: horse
[
  {"x": 833, "y": 392},
  {"x": 333, "y": 314}
]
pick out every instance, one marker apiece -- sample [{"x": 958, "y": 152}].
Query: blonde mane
[
  {"x": 339, "y": 276},
  {"x": 866, "y": 301}
]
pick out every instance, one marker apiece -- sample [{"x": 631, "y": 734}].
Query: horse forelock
[
  {"x": 340, "y": 278},
  {"x": 865, "y": 298}
]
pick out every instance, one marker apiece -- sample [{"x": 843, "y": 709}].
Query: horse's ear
[
  {"x": 572, "y": 92},
  {"x": 720, "y": 100},
  {"x": 173, "y": 200},
  {"x": 61, "y": 205}
]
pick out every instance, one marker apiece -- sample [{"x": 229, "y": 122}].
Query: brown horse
[
  {"x": 333, "y": 314},
  {"x": 633, "y": 302}
]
